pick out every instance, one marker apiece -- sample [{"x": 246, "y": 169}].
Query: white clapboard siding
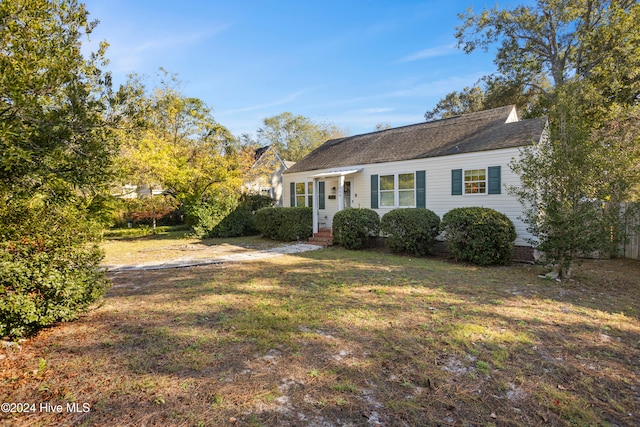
[{"x": 438, "y": 185}]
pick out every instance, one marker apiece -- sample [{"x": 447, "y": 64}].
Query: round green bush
[
  {"x": 412, "y": 230},
  {"x": 353, "y": 227},
  {"x": 478, "y": 235}
]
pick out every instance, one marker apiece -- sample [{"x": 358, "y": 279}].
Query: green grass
[{"x": 334, "y": 334}]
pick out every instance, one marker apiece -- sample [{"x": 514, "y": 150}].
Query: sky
[{"x": 351, "y": 63}]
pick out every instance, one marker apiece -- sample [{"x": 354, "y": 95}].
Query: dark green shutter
[
  {"x": 456, "y": 182},
  {"x": 321, "y": 195},
  {"x": 292, "y": 196},
  {"x": 421, "y": 184},
  {"x": 374, "y": 191},
  {"x": 494, "y": 179}
]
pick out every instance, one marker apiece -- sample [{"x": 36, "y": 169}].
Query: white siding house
[
  {"x": 440, "y": 165},
  {"x": 265, "y": 175}
]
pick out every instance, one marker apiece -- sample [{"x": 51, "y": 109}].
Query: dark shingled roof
[{"x": 481, "y": 131}]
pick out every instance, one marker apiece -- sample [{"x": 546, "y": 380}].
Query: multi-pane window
[
  {"x": 300, "y": 193},
  {"x": 387, "y": 190},
  {"x": 304, "y": 194},
  {"x": 475, "y": 181},
  {"x": 406, "y": 190},
  {"x": 397, "y": 190}
]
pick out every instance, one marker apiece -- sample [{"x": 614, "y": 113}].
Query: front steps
[{"x": 324, "y": 237}]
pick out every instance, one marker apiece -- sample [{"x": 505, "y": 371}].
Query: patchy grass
[{"x": 334, "y": 337}]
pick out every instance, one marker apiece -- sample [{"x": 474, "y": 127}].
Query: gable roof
[
  {"x": 261, "y": 152},
  {"x": 481, "y": 131}
]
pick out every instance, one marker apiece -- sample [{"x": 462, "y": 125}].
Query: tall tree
[
  {"x": 553, "y": 38},
  {"x": 588, "y": 51},
  {"x": 174, "y": 143},
  {"x": 557, "y": 188},
  {"x": 542, "y": 46},
  {"x": 491, "y": 91},
  {"x": 296, "y": 136},
  {"x": 55, "y": 147}
]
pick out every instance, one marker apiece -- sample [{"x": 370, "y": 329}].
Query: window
[
  {"x": 266, "y": 191},
  {"x": 475, "y": 181},
  {"x": 406, "y": 190},
  {"x": 398, "y": 190},
  {"x": 302, "y": 194},
  {"x": 387, "y": 190}
]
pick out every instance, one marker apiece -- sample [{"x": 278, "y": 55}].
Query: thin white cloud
[
  {"x": 129, "y": 55},
  {"x": 429, "y": 89},
  {"x": 432, "y": 52},
  {"x": 286, "y": 100}
]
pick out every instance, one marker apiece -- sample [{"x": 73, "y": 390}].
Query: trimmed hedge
[
  {"x": 412, "y": 230},
  {"x": 286, "y": 224},
  {"x": 478, "y": 235},
  {"x": 353, "y": 227}
]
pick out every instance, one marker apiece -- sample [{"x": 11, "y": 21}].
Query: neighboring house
[
  {"x": 440, "y": 165},
  {"x": 131, "y": 191},
  {"x": 265, "y": 175}
]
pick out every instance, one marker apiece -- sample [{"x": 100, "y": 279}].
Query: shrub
[
  {"x": 286, "y": 224},
  {"x": 353, "y": 227},
  {"x": 204, "y": 217},
  {"x": 242, "y": 221},
  {"x": 477, "y": 235},
  {"x": 410, "y": 230},
  {"x": 49, "y": 269}
]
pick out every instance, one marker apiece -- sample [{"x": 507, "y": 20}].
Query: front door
[{"x": 347, "y": 194}]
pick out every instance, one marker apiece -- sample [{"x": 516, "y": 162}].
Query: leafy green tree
[
  {"x": 558, "y": 39},
  {"x": 469, "y": 100},
  {"x": 542, "y": 46},
  {"x": 557, "y": 192},
  {"x": 491, "y": 91},
  {"x": 588, "y": 53},
  {"x": 56, "y": 149},
  {"x": 173, "y": 143},
  {"x": 295, "y": 136}
]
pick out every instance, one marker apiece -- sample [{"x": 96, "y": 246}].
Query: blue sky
[{"x": 350, "y": 63}]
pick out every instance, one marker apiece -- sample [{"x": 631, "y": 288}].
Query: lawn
[{"x": 339, "y": 338}]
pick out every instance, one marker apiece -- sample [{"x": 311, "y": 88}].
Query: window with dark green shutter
[
  {"x": 321, "y": 195},
  {"x": 421, "y": 194},
  {"x": 494, "y": 179},
  {"x": 456, "y": 182},
  {"x": 374, "y": 191},
  {"x": 292, "y": 194}
]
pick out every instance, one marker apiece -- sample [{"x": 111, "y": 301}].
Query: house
[
  {"x": 132, "y": 191},
  {"x": 265, "y": 175},
  {"x": 440, "y": 165}
]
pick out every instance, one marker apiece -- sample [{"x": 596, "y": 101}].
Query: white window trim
[
  {"x": 396, "y": 190},
  {"x": 306, "y": 193},
  {"x": 486, "y": 182}
]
